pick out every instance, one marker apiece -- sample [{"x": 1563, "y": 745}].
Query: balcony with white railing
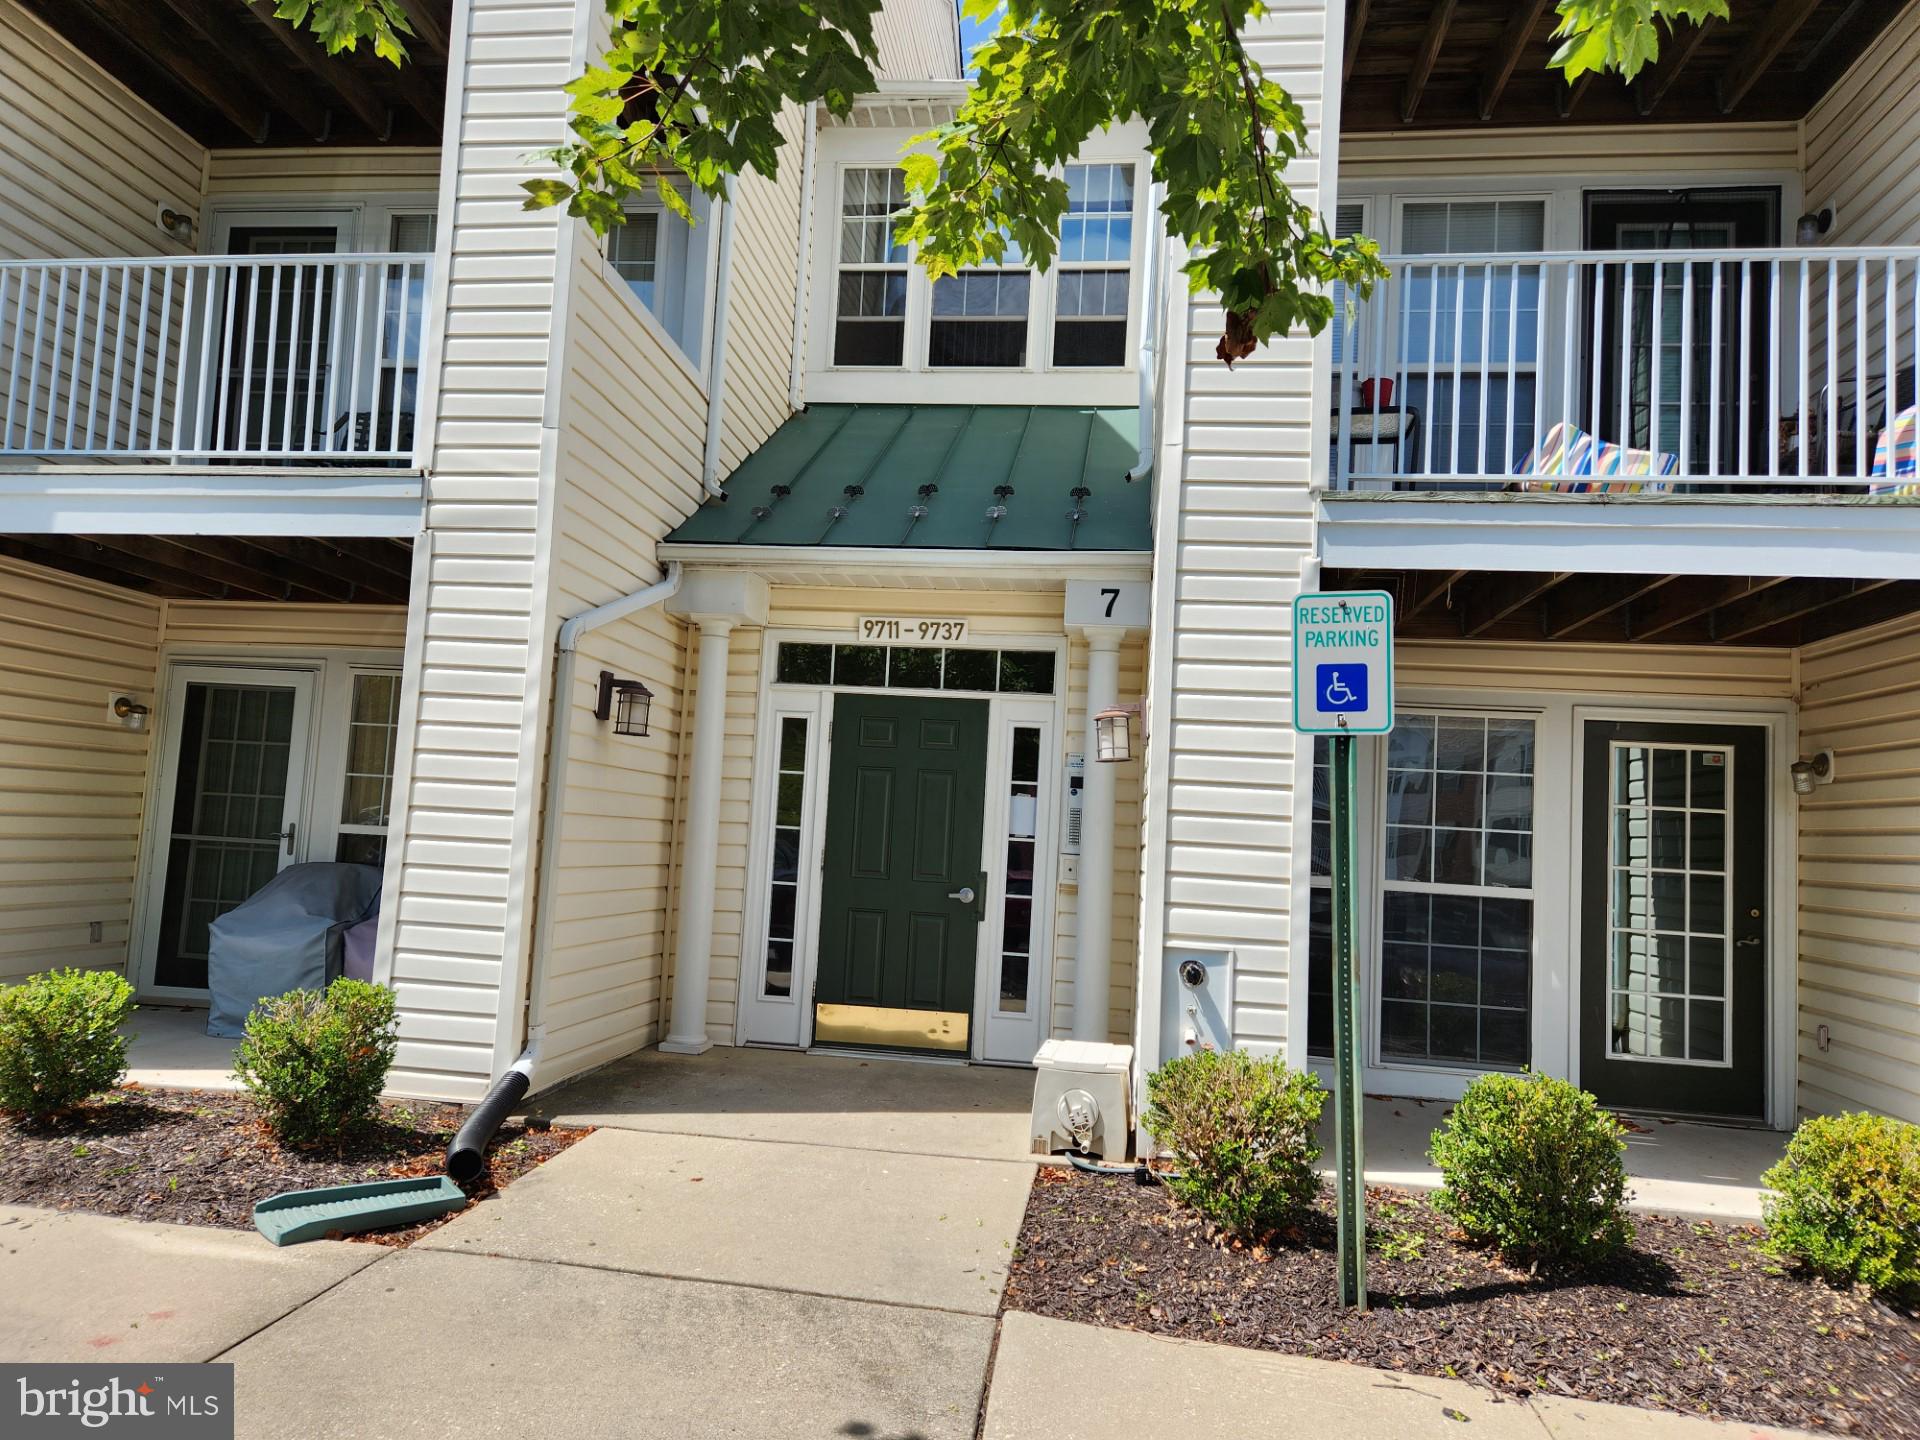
[
  {"x": 261, "y": 360},
  {"x": 1653, "y": 373}
]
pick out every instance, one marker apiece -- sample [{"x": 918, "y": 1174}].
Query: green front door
[{"x": 902, "y": 895}]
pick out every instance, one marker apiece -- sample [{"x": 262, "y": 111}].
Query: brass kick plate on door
[{"x": 880, "y": 1026}]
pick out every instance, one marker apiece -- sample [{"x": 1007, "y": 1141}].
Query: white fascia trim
[
  {"x": 1643, "y": 537},
  {"x": 347, "y": 513},
  {"x": 1037, "y": 565}
]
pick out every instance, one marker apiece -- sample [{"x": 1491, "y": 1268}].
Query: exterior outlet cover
[
  {"x": 1196, "y": 1002},
  {"x": 1069, "y": 869},
  {"x": 1088, "y": 1071}
]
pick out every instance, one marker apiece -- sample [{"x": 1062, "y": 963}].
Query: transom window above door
[{"x": 910, "y": 667}]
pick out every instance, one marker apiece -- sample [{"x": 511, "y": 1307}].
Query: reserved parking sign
[{"x": 1343, "y": 663}]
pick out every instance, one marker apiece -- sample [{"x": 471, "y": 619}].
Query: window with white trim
[
  {"x": 1095, "y": 271},
  {"x": 980, "y": 316},
  {"x": 783, "y": 884},
  {"x": 373, "y": 732},
  {"x": 1456, "y": 924},
  {"x": 663, "y": 260},
  {"x": 870, "y": 314},
  {"x": 1017, "y": 938},
  {"x": 1462, "y": 311}
]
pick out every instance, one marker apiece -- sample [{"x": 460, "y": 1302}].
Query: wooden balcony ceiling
[
  {"x": 229, "y": 74},
  {"x": 283, "y": 569},
  {"x": 1768, "y": 610},
  {"x": 1450, "y": 64}
]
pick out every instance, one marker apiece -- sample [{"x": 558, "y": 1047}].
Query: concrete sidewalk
[
  {"x": 90, "y": 1287},
  {"x": 1125, "y": 1385}
]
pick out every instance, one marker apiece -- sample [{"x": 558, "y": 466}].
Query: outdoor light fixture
[
  {"x": 130, "y": 712},
  {"x": 625, "y": 702},
  {"x": 1809, "y": 773},
  {"x": 1113, "y": 734},
  {"x": 1811, "y": 226}
]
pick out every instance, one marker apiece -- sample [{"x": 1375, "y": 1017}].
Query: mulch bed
[
  {"x": 201, "y": 1157},
  {"x": 1694, "y": 1318}
]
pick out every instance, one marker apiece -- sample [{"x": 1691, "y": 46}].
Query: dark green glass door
[
  {"x": 1673, "y": 958},
  {"x": 903, "y": 894}
]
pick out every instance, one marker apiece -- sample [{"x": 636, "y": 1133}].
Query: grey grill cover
[{"x": 286, "y": 937}]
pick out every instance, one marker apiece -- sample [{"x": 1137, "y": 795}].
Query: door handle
[
  {"x": 287, "y": 835},
  {"x": 1750, "y": 940},
  {"x": 964, "y": 895}
]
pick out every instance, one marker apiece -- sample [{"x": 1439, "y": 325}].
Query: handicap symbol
[{"x": 1343, "y": 688}]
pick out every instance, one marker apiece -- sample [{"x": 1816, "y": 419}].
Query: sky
[{"x": 972, "y": 32}]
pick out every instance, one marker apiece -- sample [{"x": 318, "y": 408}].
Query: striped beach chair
[
  {"x": 1895, "y": 455},
  {"x": 1568, "y": 450}
]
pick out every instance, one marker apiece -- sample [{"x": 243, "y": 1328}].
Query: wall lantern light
[
  {"x": 129, "y": 712},
  {"x": 1811, "y": 226},
  {"x": 1809, "y": 773},
  {"x": 625, "y": 702},
  {"x": 1113, "y": 734}
]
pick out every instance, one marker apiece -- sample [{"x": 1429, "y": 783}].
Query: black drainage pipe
[{"x": 467, "y": 1155}]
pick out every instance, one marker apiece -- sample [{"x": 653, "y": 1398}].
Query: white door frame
[
  {"x": 763, "y": 1020},
  {"x": 1559, "y": 720},
  {"x": 1783, "y": 932},
  {"x": 156, "y": 845}
]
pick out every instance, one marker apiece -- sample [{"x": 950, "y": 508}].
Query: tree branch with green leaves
[{"x": 690, "y": 93}]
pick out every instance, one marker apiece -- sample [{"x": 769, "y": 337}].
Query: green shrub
[
  {"x": 60, "y": 1039},
  {"x": 1846, "y": 1201},
  {"x": 1533, "y": 1166},
  {"x": 1242, "y": 1131},
  {"x": 316, "y": 1063}
]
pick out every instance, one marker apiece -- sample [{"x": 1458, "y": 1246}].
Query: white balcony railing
[
  {"x": 252, "y": 359},
  {"x": 1660, "y": 372}
]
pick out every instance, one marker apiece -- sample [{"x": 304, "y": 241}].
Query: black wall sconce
[{"x": 625, "y": 702}]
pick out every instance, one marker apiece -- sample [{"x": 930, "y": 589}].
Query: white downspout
[
  {"x": 717, "y": 361},
  {"x": 805, "y": 249},
  {"x": 1150, "y": 321},
  {"x": 566, "y": 649}
]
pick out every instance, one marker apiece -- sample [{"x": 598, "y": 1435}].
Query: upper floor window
[
  {"x": 663, "y": 261},
  {"x": 980, "y": 316},
  {"x": 1096, "y": 259},
  {"x": 870, "y": 319}
]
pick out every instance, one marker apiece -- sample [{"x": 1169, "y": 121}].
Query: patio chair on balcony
[{"x": 1567, "y": 450}]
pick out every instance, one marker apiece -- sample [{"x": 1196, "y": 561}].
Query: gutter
[
  {"x": 566, "y": 648},
  {"x": 1150, "y": 324},
  {"x": 796, "y": 374},
  {"x": 717, "y": 360}
]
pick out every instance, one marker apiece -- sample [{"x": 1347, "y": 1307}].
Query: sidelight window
[
  {"x": 783, "y": 886},
  {"x": 1017, "y": 940}
]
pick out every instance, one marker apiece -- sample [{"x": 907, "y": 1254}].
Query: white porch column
[
  {"x": 693, "y": 951},
  {"x": 715, "y": 604},
  {"x": 1093, "y": 967}
]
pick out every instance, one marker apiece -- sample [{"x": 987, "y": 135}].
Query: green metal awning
[{"x": 857, "y": 475}]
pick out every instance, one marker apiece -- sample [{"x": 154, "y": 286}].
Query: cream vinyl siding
[
  {"x": 455, "y": 923},
  {"x": 84, "y": 165},
  {"x": 918, "y": 40},
  {"x": 632, "y": 435},
  {"x": 1125, "y": 946},
  {"x": 1569, "y": 153},
  {"x": 346, "y": 172},
  {"x": 1695, "y": 672},
  {"x": 990, "y": 615},
  {"x": 1861, "y": 140},
  {"x": 227, "y": 623},
  {"x": 1234, "y": 530},
  {"x": 1860, "y": 873},
  {"x": 73, "y": 780}
]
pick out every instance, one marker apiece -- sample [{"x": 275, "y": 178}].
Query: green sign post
[{"x": 1343, "y": 687}]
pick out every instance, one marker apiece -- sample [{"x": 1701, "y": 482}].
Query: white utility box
[{"x": 1083, "y": 1098}]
